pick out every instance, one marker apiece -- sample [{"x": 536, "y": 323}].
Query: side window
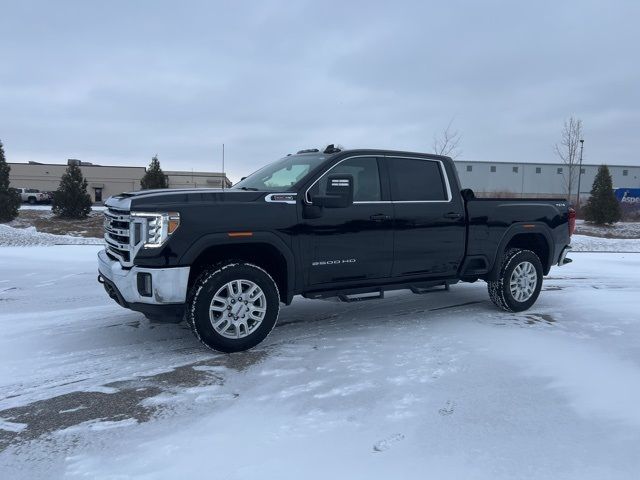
[
  {"x": 416, "y": 180},
  {"x": 366, "y": 179},
  {"x": 285, "y": 178}
]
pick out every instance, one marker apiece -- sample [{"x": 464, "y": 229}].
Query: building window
[
  {"x": 515, "y": 169},
  {"x": 538, "y": 170},
  {"x": 493, "y": 169},
  {"x": 469, "y": 168},
  {"x": 625, "y": 173},
  {"x": 582, "y": 170},
  {"x": 559, "y": 170}
]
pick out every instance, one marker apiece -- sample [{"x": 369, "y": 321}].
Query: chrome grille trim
[{"x": 119, "y": 237}]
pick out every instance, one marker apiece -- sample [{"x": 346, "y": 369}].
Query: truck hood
[{"x": 163, "y": 198}]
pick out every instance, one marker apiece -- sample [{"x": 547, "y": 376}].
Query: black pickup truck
[{"x": 348, "y": 224}]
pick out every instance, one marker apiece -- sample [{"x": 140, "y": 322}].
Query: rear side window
[{"x": 416, "y": 180}]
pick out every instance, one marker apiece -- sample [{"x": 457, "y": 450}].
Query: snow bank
[
  {"x": 584, "y": 243},
  {"x": 619, "y": 230},
  {"x": 26, "y": 206},
  {"x": 28, "y": 237}
]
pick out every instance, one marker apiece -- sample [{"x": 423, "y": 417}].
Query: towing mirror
[{"x": 339, "y": 192}]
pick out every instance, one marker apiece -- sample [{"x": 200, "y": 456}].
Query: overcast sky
[{"x": 117, "y": 82}]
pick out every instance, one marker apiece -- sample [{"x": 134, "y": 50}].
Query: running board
[
  {"x": 359, "y": 294},
  {"x": 362, "y": 297},
  {"x": 432, "y": 289}
]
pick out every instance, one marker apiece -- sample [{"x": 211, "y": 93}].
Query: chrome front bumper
[{"x": 168, "y": 285}]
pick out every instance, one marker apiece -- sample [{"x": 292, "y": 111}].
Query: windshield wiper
[{"x": 252, "y": 189}]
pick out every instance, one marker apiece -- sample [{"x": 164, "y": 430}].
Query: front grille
[{"x": 117, "y": 235}]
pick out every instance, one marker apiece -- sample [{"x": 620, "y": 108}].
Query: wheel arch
[
  {"x": 262, "y": 249},
  {"x": 528, "y": 236}
]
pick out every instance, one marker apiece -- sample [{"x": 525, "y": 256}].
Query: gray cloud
[{"x": 120, "y": 81}]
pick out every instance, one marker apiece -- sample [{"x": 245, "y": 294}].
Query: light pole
[{"x": 579, "y": 175}]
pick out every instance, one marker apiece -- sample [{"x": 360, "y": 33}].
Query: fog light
[{"x": 144, "y": 284}]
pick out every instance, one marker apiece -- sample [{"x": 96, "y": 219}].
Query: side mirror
[{"x": 339, "y": 192}]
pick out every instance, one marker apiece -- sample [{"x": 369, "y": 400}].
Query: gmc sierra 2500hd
[{"x": 350, "y": 224}]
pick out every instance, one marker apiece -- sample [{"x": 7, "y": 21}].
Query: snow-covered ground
[
  {"x": 26, "y": 206},
  {"x": 438, "y": 386},
  {"x": 24, "y": 237},
  {"x": 618, "y": 230},
  {"x": 586, "y": 243}
]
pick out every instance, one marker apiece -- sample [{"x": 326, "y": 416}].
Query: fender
[
  {"x": 219, "y": 239},
  {"x": 518, "y": 229}
]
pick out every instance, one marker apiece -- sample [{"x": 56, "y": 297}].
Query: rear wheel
[
  {"x": 233, "y": 307},
  {"x": 519, "y": 281}
]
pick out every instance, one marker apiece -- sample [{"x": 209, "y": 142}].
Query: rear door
[{"x": 429, "y": 228}]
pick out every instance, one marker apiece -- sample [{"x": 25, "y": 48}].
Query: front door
[
  {"x": 429, "y": 219},
  {"x": 98, "y": 194},
  {"x": 355, "y": 243}
]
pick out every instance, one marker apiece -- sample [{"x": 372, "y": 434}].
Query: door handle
[
  {"x": 453, "y": 215},
  {"x": 379, "y": 217}
]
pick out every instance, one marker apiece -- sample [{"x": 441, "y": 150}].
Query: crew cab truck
[{"x": 350, "y": 224}]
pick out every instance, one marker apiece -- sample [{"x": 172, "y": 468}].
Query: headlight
[{"x": 158, "y": 226}]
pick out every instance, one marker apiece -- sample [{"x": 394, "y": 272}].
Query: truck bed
[{"x": 490, "y": 219}]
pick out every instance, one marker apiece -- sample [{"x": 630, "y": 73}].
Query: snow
[
  {"x": 585, "y": 243},
  {"x": 619, "y": 230},
  {"x": 23, "y": 237},
  {"x": 26, "y": 206},
  {"x": 413, "y": 386}
]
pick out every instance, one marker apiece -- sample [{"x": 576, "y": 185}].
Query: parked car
[
  {"x": 348, "y": 224},
  {"x": 33, "y": 196}
]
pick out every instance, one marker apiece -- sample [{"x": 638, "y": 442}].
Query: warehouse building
[
  {"x": 537, "y": 179},
  {"x": 104, "y": 181}
]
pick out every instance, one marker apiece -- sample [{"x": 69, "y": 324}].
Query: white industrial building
[{"x": 537, "y": 179}]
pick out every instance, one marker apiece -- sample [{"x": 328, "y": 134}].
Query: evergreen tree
[
  {"x": 9, "y": 198},
  {"x": 154, "y": 177},
  {"x": 602, "y": 207},
  {"x": 71, "y": 200}
]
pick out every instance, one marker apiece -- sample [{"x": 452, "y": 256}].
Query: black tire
[
  {"x": 200, "y": 301},
  {"x": 500, "y": 290},
  {"x": 32, "y": 201}
]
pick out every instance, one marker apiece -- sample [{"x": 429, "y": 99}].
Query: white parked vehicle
[{"x": 33, "y": 196}]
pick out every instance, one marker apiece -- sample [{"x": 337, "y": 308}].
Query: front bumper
[{"x": 168, "y": 285}]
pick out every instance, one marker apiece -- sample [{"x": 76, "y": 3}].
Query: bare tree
[
  {"x": 568, "y": 150},
  {"x": 447, "y": 142}
]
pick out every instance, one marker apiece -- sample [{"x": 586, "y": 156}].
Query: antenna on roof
[{"x": 331, "y": 148}]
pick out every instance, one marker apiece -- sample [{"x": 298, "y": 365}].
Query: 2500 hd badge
[{"x": 333, "y": 262}]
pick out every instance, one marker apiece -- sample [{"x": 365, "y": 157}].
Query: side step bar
[
  {"x": 422, "y": 291},
  {"x": 377, "y": 292},
  {"x": 361, "y": 297}
]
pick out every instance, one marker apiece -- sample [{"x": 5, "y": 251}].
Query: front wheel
[
  {"x": 519, "y": 281},
  {"x": 233, "y": 307}
]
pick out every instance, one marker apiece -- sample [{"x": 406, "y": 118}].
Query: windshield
[{"x": 283, "y": 174}]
